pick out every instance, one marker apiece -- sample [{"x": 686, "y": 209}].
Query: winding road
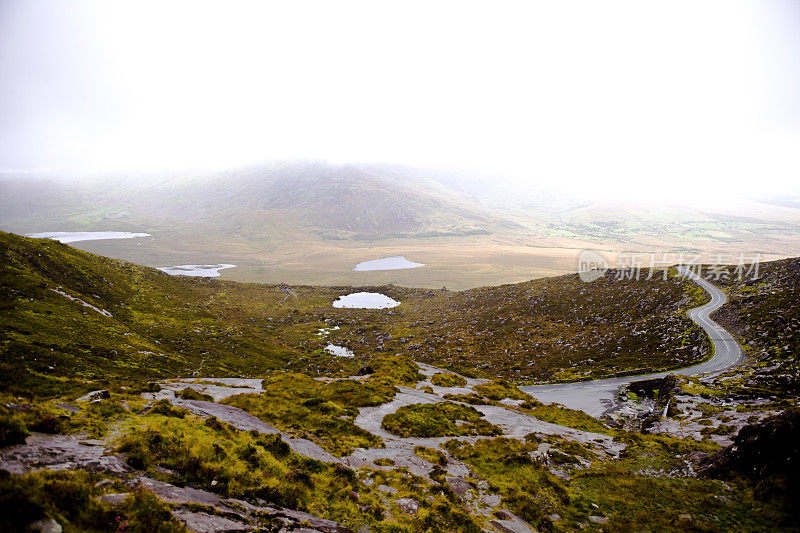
[{"x": 598, "y": 396}]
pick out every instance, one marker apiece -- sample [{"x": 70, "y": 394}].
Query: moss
[
  {"x": 384, "y": 461},
  {"x": 438, "y": 420}
]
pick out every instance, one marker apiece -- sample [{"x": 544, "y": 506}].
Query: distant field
[{"x": 453, "y": 262}]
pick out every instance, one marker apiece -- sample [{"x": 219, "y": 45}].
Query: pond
[
  {"x": 387, "y": 263},
  {"x": 75, "y": 236},
  {"x": 365, "y": 300},
  {"x": 201, "y": 271}
]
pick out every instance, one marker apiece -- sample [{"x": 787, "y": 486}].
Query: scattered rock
[
  {"x": 104, "y": 483},
  {"x": 598, "y": 519}
]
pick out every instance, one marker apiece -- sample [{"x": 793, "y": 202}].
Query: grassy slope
[
  {"x": 224, "y": 328},
  {"x": 765, "y": 316},
  {"x": 163, "y": 326}
]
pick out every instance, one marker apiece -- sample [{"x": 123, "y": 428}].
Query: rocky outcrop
[
  {"x": 761, "y": 450},
  {"x": 94, "y": 396}
]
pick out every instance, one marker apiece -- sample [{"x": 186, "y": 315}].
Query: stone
[
  {"x": 407, "y": 505},
  {"x": 104, "y": 483},
  {"x": 68, "y": 407},
  {"x": 508, "y": 522},
  {"x": 598, "y": 519},
  {"x": 94, "y": 396},
  {"x": 459, "y": 486},
  {"x": 207, "y": 523},
  {"x": 386, "y": 488},
  {"x": 114, "y": 499},
  {"x": 45, "y": 525}
]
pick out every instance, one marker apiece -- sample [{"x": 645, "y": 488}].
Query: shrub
[{"x": 12, "y": 430}]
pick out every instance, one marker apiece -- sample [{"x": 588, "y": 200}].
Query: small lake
[
  {"x": 75, "y": 236},
  {"x": 200, "y": 271},
  {"x": 387, "y": 263},
  {"x": 340, "y": 351},
  {"x": 365, "y": 300}
]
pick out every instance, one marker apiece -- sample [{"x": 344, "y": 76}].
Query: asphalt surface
[{"x": 599, "y": 396}]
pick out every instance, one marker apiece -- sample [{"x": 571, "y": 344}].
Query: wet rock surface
[{"x": 60, "y": 452}]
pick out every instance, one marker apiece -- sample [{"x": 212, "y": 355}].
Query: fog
[{"x": 617, "y": 99}]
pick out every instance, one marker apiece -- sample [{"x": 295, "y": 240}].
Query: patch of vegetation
[
  {"x": 472, "y": 399},
  {"x": 322, "y": 412},
  {"x": 442, "y": 419},
  {"x": 445, "y": 379},
  {"x": 438, "y": 509},
  {"x": 70, "y": 498},
  {"x": 431, "y": 455},
  {"x": 620, "y": 491},
  {"x": 384, "y": 461},
  {"x": 571, "y": 418},
  {"x": 190, "y": 394},
  {"x": 528, "y": 489},
  {"x": 165, "y": 408},
  {"x": 215, "y": 456},
  {"x": 500, "y": 389},
  {"x": 12, "y": 430}
]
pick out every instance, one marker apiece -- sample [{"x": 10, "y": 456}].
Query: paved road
[{"x": 596, "y": 397}]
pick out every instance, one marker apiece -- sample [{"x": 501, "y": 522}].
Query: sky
[{"x": 612, "y": 97}]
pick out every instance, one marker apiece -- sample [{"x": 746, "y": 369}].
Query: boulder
[
  {"x": 114, "y": 499},
  {"x": 769, "y": 449},
  {"x": 407, "y": 505},
  {"x": 45, "y": 525},
  {"x": 94, "y": 396}
]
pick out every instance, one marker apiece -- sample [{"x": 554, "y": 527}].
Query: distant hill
[{"x": 330, "y": 201}]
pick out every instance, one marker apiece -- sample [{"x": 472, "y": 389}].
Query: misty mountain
[{"x": 332, "y": 201}]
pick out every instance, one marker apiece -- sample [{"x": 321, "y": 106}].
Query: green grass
[
  {"x": 190, "y": 394},
  {"x": 444, "y": 379},
  {"x": 431, "y": 455},
  {"x": 164, "y": 326},
  {"x": 626, "y": 491},
  {"x": 442, "y": 419},
  {"x": 324, "y": 413},
  {"x": 570, "y": 418}
]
